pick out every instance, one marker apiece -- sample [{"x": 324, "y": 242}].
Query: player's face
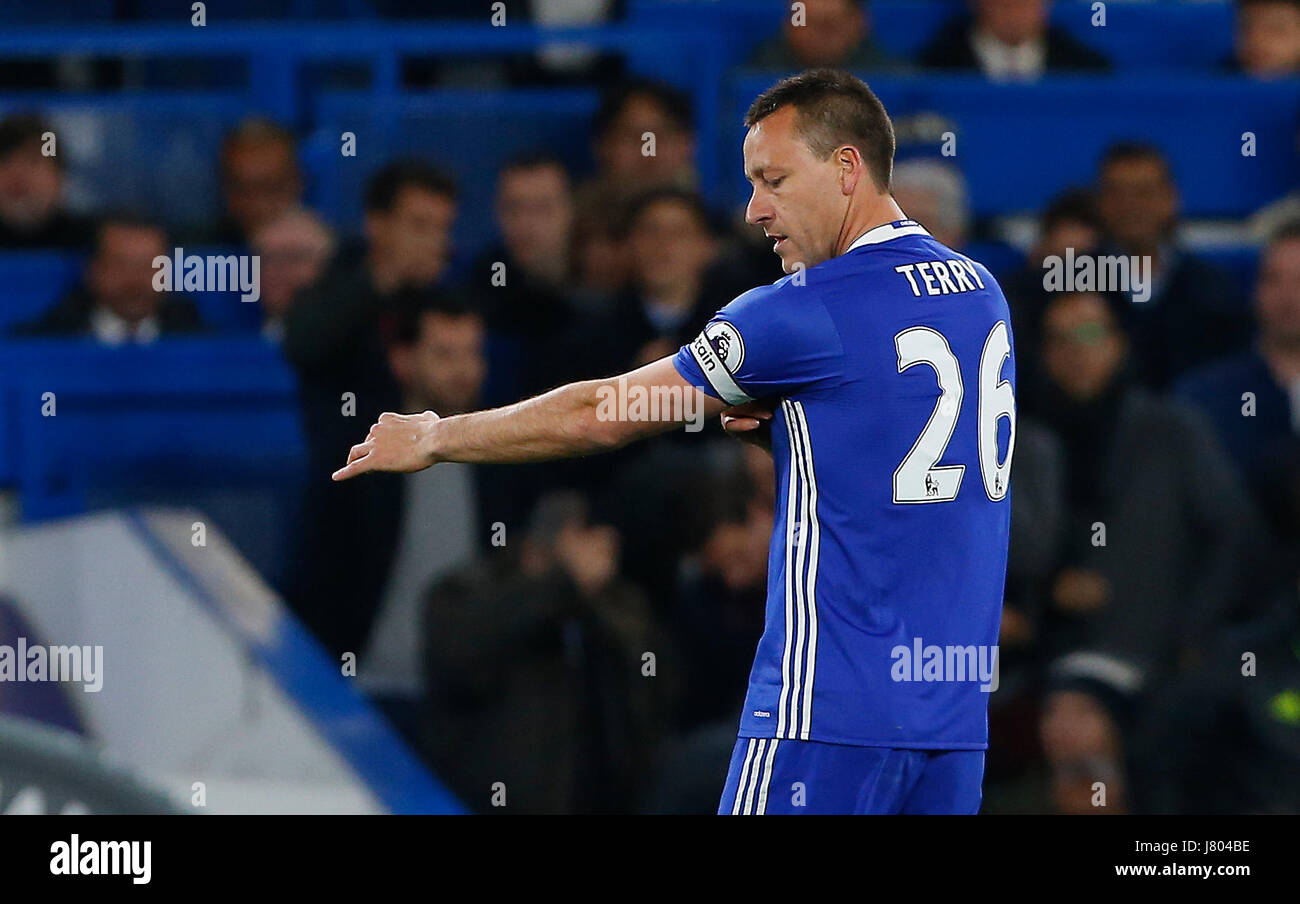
[{"x": 798, "y": 199}]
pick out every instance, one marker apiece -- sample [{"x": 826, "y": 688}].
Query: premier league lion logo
[{"x": 726, "y": 342}]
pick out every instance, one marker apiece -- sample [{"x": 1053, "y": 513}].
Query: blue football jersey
[{"x": 892, "y": 376}]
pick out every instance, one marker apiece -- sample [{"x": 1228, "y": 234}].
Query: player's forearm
[{"x": 562, "y": 423}]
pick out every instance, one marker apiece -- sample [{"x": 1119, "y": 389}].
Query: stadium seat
[
  {"x": 1000, "y": 148},
  {"x": 224, "y": 408},
  {"x": 154, "y": 151},
  {"x": 32, "y": 281},
  {"x": 1136, "y": 36},
  {"x": 470, "y": 133}
]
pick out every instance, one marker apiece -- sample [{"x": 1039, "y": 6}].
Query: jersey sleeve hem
[{"x": 714, "y": 372}]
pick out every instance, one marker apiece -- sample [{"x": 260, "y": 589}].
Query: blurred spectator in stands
[
  {"x": 535, "y": 673},
  {"x": 1070, "y": 222},
  {"x": 599, "y": 255},
  {"x": 1253, "y": 398},
  {"x": 669, "y": 298},
  {"x": 1037, "y": 521},
  {"x": 334, "y": 334},
  {"x": 674, "y": 289},
  {"x": 1267, "y": 40},
  {"x": 260, "y": 180},
  {"x": 761, "y": 474},
  {"x": 1161, "y": 540},
  {"x": 294, "y": 249},
  {"x": 721, "y": 596},
  {"x": 934, "y": 194},
  {"x": 31, "y": 189},
  {"x": 824, "y": 33},
  {"x": 643, "y": 138},
  {"x": 534, "y": 211},
  {"x": 1193, "y": 312},
  {"x": 570, "y": 62},
  {"x": 1274, "y": 215},
  {"x": 1036, "y": 533},
  {"x": 1009, "y": 40},
  {"x": 567, "y": 62},
  {"x": 335, "y": 337},
  {"x": 671, "y": 242},
  {"x": 1087, "y": 715},
  {"x": 715, "y": 618},
  {"x": 525, "y": 282},
  {"x": 1225, "y": 740},
  {"x": 437, "y": 357},
  {"x": 117, "y": 302}
]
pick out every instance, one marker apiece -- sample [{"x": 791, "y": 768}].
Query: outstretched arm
[{"x": 578, "y": 419}]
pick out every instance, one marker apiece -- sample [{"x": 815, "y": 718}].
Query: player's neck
[{"x": 882, "y": 209}]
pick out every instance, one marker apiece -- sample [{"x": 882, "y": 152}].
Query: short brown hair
[
  {"x": 1136, "y": 152},
  {"x": 834, "y": 109}
]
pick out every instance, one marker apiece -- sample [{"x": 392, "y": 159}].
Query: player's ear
[{"x": 852, "y": 168}]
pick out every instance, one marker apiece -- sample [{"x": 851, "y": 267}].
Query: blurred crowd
[{"x": 582, "y": 631}]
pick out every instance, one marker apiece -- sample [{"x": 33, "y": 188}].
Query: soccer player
[{"x": 881, "y": 371}]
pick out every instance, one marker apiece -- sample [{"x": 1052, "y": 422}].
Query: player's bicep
[{"x": 769, "y": 342}]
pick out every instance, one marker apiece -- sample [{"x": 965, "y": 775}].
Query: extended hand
[
  {"x": 398, "y": 442},
  {"x": 750, "y": 422}
]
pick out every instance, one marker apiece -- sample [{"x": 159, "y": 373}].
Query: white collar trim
[{"x": 887, "y": 232}]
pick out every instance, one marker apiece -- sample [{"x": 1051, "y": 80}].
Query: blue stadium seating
[
  {"x": 32, "y": 281},
  {"x": 1136, "y": 36},
  {"x": 472, "y": 133},
  {"x": 213, "y": 408},
  {"x": 1019, "y": 144},
  {"x": 154, "y": 152},
  {"x": 690, "y": 44}
]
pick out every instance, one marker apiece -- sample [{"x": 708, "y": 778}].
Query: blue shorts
[{"x": 789, "y": 777}]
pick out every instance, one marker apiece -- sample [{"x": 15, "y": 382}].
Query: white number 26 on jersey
[{"x": 920, "y": 477}]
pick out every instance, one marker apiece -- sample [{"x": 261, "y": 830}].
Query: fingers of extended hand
[{"x": 738, "y": 424}]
